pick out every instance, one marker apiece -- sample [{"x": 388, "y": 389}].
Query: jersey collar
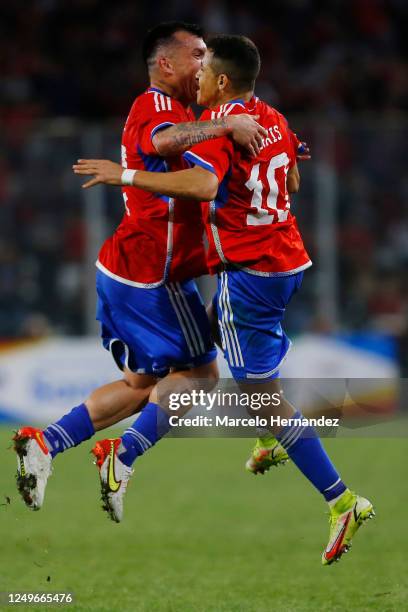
[
  {"x": 242, "y": 101},
  {"x": 158, "y": 91},
  {"x": 237, "y": 101}
]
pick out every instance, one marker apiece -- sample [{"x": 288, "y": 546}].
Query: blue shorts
[
  {"x": 250, "y": 312},
  {"x": 150, "y": 331}
]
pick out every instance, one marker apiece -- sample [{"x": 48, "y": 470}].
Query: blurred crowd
[
  {"x": 82, "y": 57},
  {"x": 77, "y": 63}
]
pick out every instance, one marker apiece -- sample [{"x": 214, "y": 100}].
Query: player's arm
[
  {"x": 293, "y": 179},
  {"x": 195, "y": 183},
  {"x": 177, "y": 139}
]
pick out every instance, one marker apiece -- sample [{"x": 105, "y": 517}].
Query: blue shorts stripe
[
  {"x": 192, "y": 319},
  {"x": 181, "y": 319},
  {"x": 228, "y": 323},
  {"x": 240, "y": 361},
  {"x": 184, "y": 308},
  {"x": 227, "y": 337},
  {"x": 188, "y": 318}
]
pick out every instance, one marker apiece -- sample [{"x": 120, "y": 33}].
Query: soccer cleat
[
  {"x": 114, "y": 476},
  {"x": 33, "y": 465},
  {"x": 266, "y": 453},
  {"x": 347, "y": 515}
]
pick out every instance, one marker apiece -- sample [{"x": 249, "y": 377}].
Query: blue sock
[
  {"x": 150, "y": 426},
  {"x": 307, "y": 453},
  {"x": 71, "y": 430}
]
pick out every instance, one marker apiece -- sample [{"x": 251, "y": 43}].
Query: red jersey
[
  {"x": 159, "y": 239},
  {"x": 250, "y": 223}
]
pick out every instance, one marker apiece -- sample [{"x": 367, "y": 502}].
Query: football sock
[
  {"x": 307, "y": 453},
  {"x": 150, "y": 426},
  {"x": 72, "y": 429}
]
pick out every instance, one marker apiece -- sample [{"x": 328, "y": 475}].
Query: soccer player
[
  {"x": 256, "y": 250},
  {"x": 151, "y": 314}
]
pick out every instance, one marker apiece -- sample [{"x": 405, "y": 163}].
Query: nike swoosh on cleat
[
  {"x": 356, "y": 516},
  {"x": 112, "y": 482},
  {"x": 334, "y": 549}
]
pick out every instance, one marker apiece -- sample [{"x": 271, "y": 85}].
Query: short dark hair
[
  {"x": 163, "y": 32},
  {"x": 238, "y": 57}
]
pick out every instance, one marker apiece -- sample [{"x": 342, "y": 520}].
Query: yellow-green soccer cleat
[
  {"x": 346, "y": 516},
  {"x": 266, "y": 453}
]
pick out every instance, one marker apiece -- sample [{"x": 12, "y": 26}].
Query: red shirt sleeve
[
  {"x": 157, "y": 112},
  {"x": 295, "y": 140},
  {"x": 213, "y": 155}
]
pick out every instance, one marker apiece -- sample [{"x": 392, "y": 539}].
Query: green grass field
[{"x": 201, "y": 535}]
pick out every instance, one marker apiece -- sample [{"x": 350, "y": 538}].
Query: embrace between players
[{"x": 229, "y": 174}]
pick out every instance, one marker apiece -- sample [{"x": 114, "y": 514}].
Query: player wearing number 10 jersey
[
  {"x": 253, "y": 237},
  {"x": 249, "y": 221},
  {"x": 254, "y": 242},
  {"x": 257, "y": 252}
]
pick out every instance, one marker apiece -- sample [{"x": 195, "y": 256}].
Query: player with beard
[
  {"x": 256, "y": 250},
  {"x": 151, "y": 314}
]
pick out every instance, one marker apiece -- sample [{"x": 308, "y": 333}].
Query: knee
[
  {"x": 139, "y": 382},
  {"x": 211, "y": 374}
]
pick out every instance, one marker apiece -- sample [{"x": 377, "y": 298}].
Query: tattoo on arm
[{"x": 189, "y": 134}]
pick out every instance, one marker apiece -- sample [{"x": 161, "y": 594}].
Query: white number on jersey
[{"x": 254, "y": 183}]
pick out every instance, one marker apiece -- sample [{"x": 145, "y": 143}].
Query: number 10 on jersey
[{"x": 266, "y": 206}]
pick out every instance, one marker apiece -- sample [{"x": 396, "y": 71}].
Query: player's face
[
  {"x": 186, "y": 60},
  {"x": 208, "y": 91}
]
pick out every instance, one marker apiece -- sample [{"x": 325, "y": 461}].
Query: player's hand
[
  {"x": 301, "y": 147},
  {"x": 104, "y": 171},
  {"x": 303, "y": 151},
  {"x": 246, "y": 132}
]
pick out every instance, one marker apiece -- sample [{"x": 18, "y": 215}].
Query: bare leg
[
  {"x": 115, "y": 401},
  {"x": 184, "y": 381}
]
